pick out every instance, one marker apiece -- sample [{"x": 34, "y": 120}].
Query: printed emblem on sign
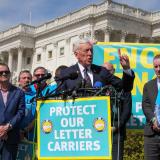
[
  {"x": 99, "y": 124},
  {"x": 47, "y": 126}
]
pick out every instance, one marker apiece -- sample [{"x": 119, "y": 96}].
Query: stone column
[
  {"x": 92, "y": 32},
  {"x": 95, "y": 35},
  {"x": 1, "y": 57},
  {"x": 34, "y": 59},
  {"x": 10, "y": 60},
  {"x": 107, "y": 31},
  {"x": 43, "y": 55},
  {"x": 123, "y": 36},
  {"x": 20, "y": 54},
  {"x": 137, "y": 39},
  {"x": 67, "y": 51},
  {"x": 151, "y": 40},
  {"x": 55, "y": 51}
]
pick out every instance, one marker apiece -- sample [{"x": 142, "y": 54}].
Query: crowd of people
[{"x": 18, "y": 106}]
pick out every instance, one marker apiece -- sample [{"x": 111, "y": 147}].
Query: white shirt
[
  {"x": 158, "y": 83},
  {"x": 89, "y": 71},
  {"x": 4, "y": 96}
]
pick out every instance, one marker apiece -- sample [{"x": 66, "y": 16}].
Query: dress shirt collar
[
  {"x": 89, "y": 71},
  {"x": 82, "y": 68}
]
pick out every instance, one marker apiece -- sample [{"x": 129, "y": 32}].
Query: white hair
[{"x": 77, "y": 43}]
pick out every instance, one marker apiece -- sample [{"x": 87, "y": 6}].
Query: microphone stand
[
  {"x": 116, "y": 99},
  {"x": 38, "y": 91}
]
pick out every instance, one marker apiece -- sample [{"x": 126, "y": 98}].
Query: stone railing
[
  {"x": 69, "y": 18},
  {"x": 131, "y": 11},
  {"x": 94, "y": 10},
  {"x": 22, "y": 28},
  {"x": 156, "y": 16}
]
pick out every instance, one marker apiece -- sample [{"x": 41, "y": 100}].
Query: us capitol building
[{"x": 50, "y": 44}]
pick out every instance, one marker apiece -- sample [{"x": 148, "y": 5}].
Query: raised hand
[{"x": 124, "y": 60}]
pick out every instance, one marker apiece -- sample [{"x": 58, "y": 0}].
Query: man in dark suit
[
  {"x": 84, "y": 53},
  {"x": 151, "y": 130},
  {"x": 120, "y": 114},
  {"x": 12, "y": 104}
]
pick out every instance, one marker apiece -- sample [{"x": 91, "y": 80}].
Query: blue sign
[{"x": 74, "y": 129}]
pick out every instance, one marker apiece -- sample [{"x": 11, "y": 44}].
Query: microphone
[
  {"x": 83, "y": 82},
  {"x": 63, "y": 93},
  {"x": 75, "y": 90},
  {"x": 97, "y": 84},
  {"x": 108, "y": 90},
  {"x": 47, "y": 76},
  {"x": 71, "y": 76}
]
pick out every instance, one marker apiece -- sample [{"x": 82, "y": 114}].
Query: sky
[{"x": 36, "y": 12}]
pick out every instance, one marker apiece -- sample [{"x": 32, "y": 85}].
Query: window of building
[
  {"x": 61, "y": 51},
  {"x": 38, "y": 57},
  {"x": 28, "y": 60},
  {"x": 50, "y": 54}
]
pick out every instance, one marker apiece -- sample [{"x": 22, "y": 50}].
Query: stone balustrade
[
  {"x": 156, "y": 16},
  {"x": 92, "y": 10},
  {"x": 22, "y": 28}
]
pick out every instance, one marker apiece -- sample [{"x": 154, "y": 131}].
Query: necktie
[{"x": 88, "y": 83}]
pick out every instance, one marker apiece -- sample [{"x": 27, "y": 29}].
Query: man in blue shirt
[
  {"x": 41, "y": 89},
  {"x": 27, "y": 123}
]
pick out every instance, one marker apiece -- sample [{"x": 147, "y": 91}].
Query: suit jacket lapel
[
  {"x": 2, "y": 106},
  {"x": 10, "y": 95},
  {"x": 156, "y": 89},
  {"x": 95, "y": 75},
  {"x": 78, "y": 71}
]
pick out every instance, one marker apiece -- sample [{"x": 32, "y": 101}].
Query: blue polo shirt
[{"x": 30, "y": 108}]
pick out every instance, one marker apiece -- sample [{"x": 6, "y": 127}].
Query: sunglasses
[
  {"x": 39, "y": 75},
  {"x": 4, "y": 73}
]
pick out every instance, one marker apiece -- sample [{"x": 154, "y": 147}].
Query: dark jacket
[
  {"x": 125, "y": 110},
  {"x": 99, "y": 74},
  {"x": 150, "y": 92},
  {"x": 13, "y": 112}
]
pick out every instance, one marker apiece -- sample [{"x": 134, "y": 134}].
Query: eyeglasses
[
  {"x": 2, "y": 73},
  {"x": 39, "y": 75}
]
